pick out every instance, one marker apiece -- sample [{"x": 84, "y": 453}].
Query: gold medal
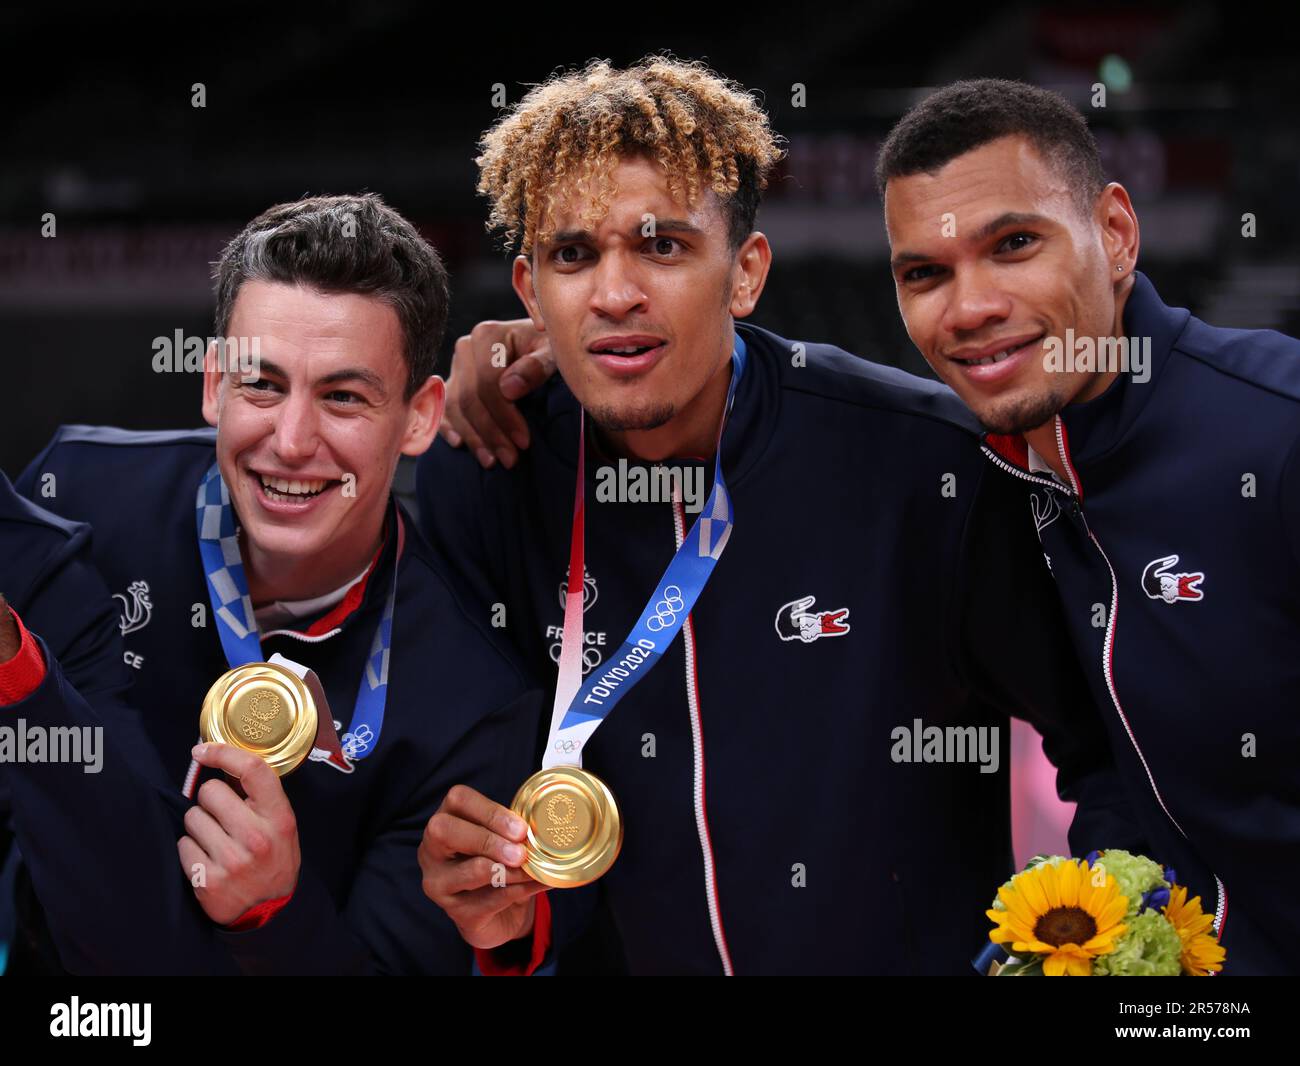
[
  {"x": 574, "y": 828},
  {"x": 262, "y": 708}
]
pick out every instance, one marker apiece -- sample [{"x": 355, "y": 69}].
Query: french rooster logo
[
  {"x": 589, "y": 591},
  {"x": 137, "y": 611}
]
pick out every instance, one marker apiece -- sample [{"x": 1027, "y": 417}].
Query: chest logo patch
[
  {"x": 588, "y": 589},
  {"x": 796, "y": 621},
  {"x": 1160, "y": 582},
  {"x": 136, "y": 607},
  {"x": 592, "y": 641}
]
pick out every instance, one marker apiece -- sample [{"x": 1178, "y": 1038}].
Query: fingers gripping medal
[
  {"x": 264, "y": 709},
  {"x": 574, "y": 828}
]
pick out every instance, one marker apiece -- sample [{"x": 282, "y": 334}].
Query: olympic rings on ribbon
[{"x": 666, "y": 610}]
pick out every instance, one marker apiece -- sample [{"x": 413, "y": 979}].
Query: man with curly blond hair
[{"x": 845, "y": 598}]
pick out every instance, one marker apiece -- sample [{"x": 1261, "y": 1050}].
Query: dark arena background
[
  {"x": 99, "y": 129},
  {"x": 136, "y": 139}
]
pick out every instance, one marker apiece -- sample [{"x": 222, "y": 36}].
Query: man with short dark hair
[
  {"x": 1163, "y": 458},
  {"x": 278, "y": 534}
]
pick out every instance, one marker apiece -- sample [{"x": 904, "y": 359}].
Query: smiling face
[
  {"x": 308, "y": 450},
  {"x": 992, "y": 256},
  {"x": 641, "y": 323}
]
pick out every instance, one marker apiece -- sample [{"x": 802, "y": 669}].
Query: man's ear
[
  {"x": 425, "y": 414},
  {"x": 1119, "y": 230},
  {"x": 521, "y": 277},
  {"x": 753, "y": 261},
  {"x": 212, "y": 377}
]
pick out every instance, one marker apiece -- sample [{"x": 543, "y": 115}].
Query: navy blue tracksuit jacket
[
  {"x": 78, "y": 831},
  {"x": 872, "y": 580},
  {"x": 458, "y": 710},
  {"x": 1175, "y": 547}
]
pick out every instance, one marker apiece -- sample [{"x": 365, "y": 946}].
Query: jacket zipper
[
  {"x": 697, "y": 747},
  {"x": 1065, "y": 461},
  {"x": 303, "y": 636},
  {"x": 1107, "y": 655},
  {"x": 998, "y": 461},
  {"x": 1221, "y": 904}
]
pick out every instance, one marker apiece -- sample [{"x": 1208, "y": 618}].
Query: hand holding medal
[
  {"x": 574, "y": 828},
  {"x": 259, "y": 722},
  {"x": 483, "y": 863},
  {"x": 471, "y": 857},
  {"x": 241, "y": 845}
]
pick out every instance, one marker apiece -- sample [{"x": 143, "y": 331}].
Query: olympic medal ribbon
[
  {"x": 580, "y": 707},
  {"x": 232, "y": 609}
]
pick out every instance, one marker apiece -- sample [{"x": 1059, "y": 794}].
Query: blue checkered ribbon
[
  {"x": 237, "y": 626},
  {"x": 224, "y": 568}
]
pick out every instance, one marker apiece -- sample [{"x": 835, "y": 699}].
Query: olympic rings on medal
[{"x": 666, "y": 610}]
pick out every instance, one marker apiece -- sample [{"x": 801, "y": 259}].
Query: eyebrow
[
  {"x": 582, "y": 236},
  {"x": 1007, "y": 218},
  {"x": 353, "y": 373}
]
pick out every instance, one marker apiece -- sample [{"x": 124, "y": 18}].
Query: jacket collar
[
  {"x": 1088, "y": 431},
  {"x": 1096, "y": 426}
]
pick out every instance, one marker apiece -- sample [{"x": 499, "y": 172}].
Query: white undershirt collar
[
  {"x": 1037, "y": 465},
  {"x": 279, "y": 613}
]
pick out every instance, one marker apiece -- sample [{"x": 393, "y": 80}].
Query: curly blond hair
[{"x": 571, "y": 131}]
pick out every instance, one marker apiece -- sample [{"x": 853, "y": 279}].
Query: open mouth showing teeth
[
  {"x": 626, "y": 351},
  {"x": 998, "y": 357},
  {"x": 627, "y": 346},
  {"x": 285, "y": 489}
]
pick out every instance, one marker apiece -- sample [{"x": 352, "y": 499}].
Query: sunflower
[
  {"x": 1201, "y": 950},
  {"x": 1057, "y": 912}
]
